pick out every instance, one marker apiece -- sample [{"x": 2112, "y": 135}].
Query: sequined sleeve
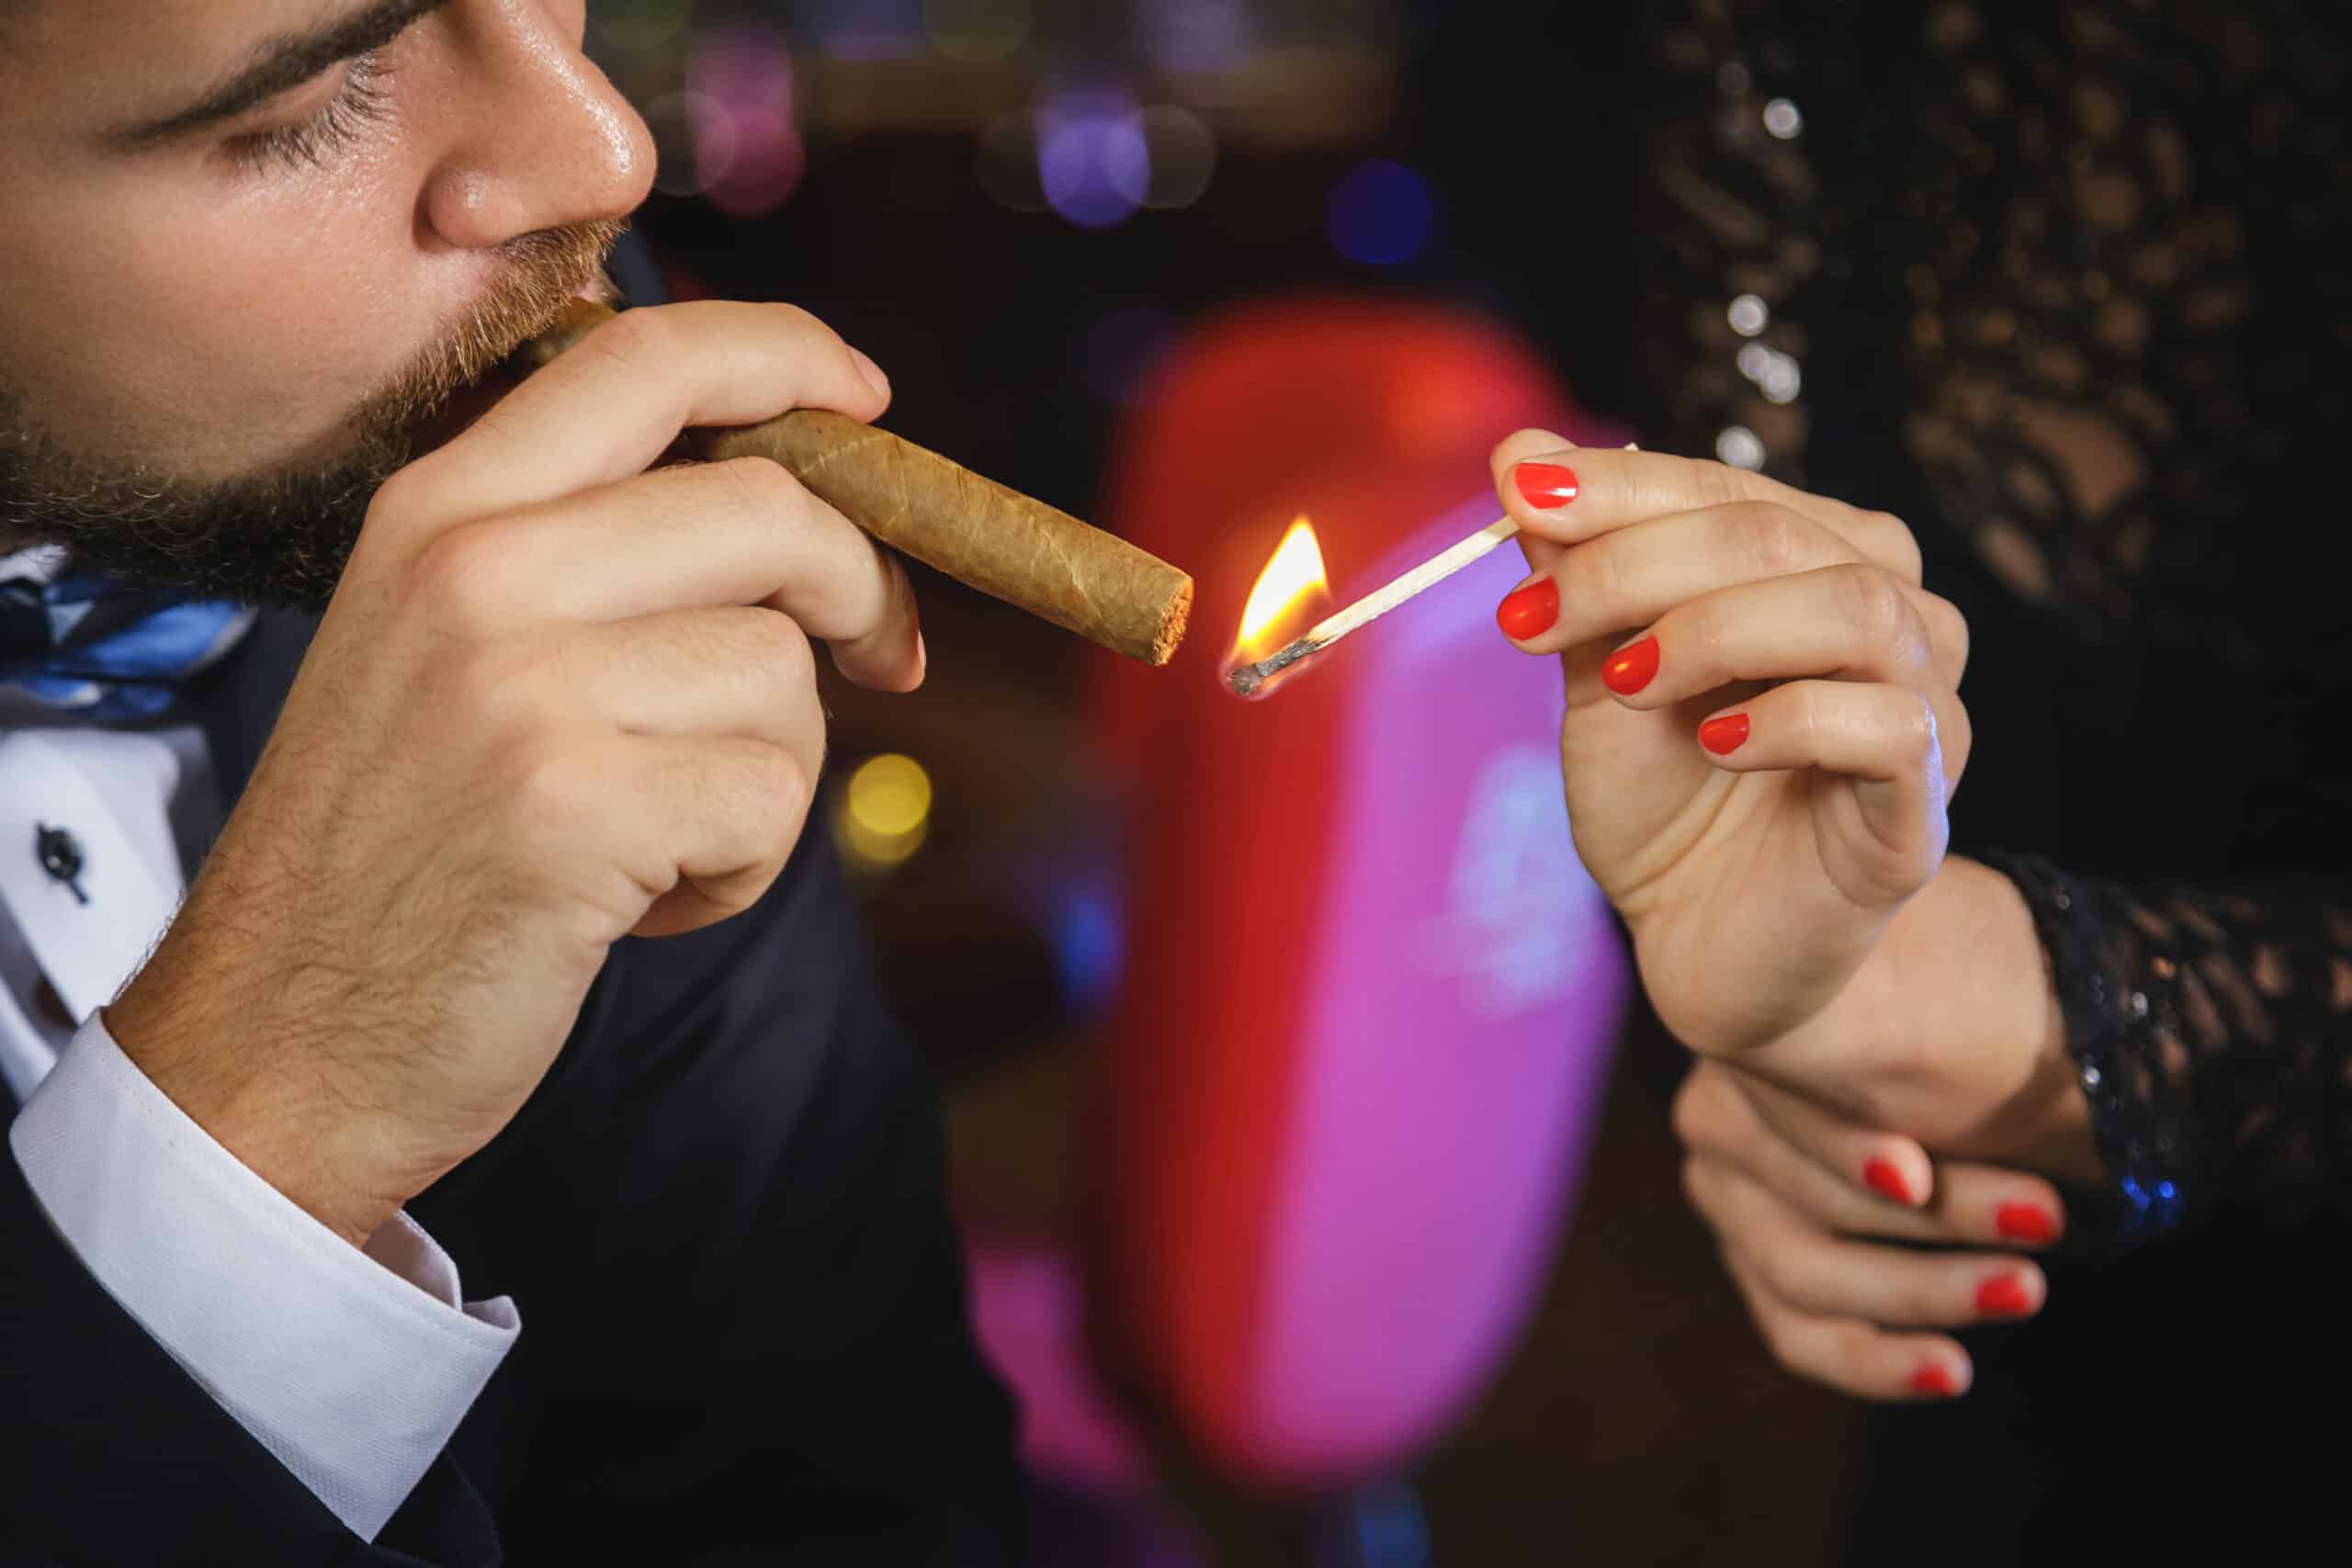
[{"x": 2213, "y": 1036}]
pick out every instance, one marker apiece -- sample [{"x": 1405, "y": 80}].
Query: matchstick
[{"x": 1247, "y": 678}]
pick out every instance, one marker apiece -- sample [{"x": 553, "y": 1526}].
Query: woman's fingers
[
  {"x": 1823, "y": 1274},
  {"x": 1851, "y": 621},
  {"x": 1628, "y": 579},
  {"x": 1860, "y": 1180},
  {"x": 1886, "y": 835},
  {"x": 1568, "y": 494},
  {"x": 1853, "y": 1355},
  {"x": 1846, "y": 1175}
]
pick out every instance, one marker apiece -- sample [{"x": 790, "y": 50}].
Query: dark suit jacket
[{"x": 721, "y": 1215}]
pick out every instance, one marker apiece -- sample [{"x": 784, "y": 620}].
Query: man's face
[{"x": 245, "y": 243}]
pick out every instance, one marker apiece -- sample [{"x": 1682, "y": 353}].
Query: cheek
[{"x": 234, "y": 327}]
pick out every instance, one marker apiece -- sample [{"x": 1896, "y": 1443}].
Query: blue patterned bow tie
[{"x": 102, "y": 650}]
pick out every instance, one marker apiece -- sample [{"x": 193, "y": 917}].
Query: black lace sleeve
[
  {"x": 2212, "y": 1034},
  {"x": 2050, "y": 279}
]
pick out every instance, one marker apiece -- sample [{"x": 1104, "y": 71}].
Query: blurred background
[{"x": 1188, "y": 268}]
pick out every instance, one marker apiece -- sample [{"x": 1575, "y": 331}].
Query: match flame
[{"x": 1291, "y": 582}]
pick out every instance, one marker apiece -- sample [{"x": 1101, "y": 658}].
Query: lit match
[{"x": 1247, "y": 680}]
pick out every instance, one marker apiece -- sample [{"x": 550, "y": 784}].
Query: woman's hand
[
  {"x": 1764, "y": 730},
  {"x": 1763, "y": 721},
  {"x": 1828, "y": 1229}
]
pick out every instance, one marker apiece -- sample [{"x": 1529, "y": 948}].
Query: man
[{"x": 513, "y": 964}]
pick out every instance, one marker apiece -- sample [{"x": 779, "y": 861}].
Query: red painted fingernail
[
  {"x": 2025, "y": 1221},
  {"x": 1887, "y": 1182},
  {"x": 1935, "y": 1380},
  {"x": 1529, "y": 612},
  {"x": 1725, "y": 735},
  {"x": 1546, "y": 485},
  {"x": 1631, "y": 669},
  {"x": 2004, "y": 1295}
]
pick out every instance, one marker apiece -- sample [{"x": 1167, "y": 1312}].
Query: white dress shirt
[{"x": 353, "y": 1368}]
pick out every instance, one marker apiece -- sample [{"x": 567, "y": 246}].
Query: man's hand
[
  {"x": 556, "y": 699},
  {"x": 1805, "y": 1205}
]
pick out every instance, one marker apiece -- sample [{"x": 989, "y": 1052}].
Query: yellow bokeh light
[{"x": 886, "y": 811}]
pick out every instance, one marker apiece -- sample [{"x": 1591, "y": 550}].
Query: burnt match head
[{"x": 1250, "y": 680}]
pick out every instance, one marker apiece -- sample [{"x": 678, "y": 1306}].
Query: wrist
[
  {"x": 1955, "y": 1013},
  {"x": 282, "y": 1121}
]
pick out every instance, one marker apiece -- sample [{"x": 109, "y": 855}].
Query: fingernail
[
  {"x": 1631, "y": 669},
  {"x": 1725, "y": 735},
  {"x": 2025, "y": 1221},
  {"x": 2004, "y": 1295},
  {"x": 1529, "y": 611},
  {"x": 1934, "y": 1381},
  {"x": 871, "y": 371},
  {"x": 1546, "y": 485},
  {"x": 1887, "y": 1182}
]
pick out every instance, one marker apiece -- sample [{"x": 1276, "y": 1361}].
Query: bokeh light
[
  {"x": 978, "y": 32},
  {"x": 1198, "y": 35},
  {"x": 1092, "y": 159},
  {"x": 739, "y": 107},
  {"x": 864, "y": 29},
  {"x": 885, "y": 812},
  {"x": 1382, "y": 214},
  {"x": 1739, "y": 446},
  {"x": 1089, "y": 944}
]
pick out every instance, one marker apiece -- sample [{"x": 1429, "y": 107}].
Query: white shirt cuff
[{"x": 352, "y": 1368}]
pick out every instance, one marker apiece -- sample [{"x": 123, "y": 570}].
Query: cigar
[{"x": 976, "y": 531}]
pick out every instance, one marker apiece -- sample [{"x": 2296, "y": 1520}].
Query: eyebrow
[{"x": 280, "y": 65}]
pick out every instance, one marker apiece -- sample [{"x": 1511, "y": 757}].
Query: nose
[{"x": 539, "y": 138}]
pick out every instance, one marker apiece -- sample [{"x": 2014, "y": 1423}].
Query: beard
[{"x": 281, "y": 536}]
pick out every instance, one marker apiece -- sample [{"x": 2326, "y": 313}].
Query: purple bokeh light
[
  {"x": 1093, "y": 157},
  {"x": 749, "y": 156}
]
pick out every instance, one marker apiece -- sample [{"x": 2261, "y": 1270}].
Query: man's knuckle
[
  {"x": 458, "y": 576},
  {"x": 756, "y": 485},
  {"x": 635, "y": 340}
]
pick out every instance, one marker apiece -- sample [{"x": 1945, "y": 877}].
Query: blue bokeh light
[
  {"x": 1089, "y": 944},
  {"x": 1382, "y": 214}
]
